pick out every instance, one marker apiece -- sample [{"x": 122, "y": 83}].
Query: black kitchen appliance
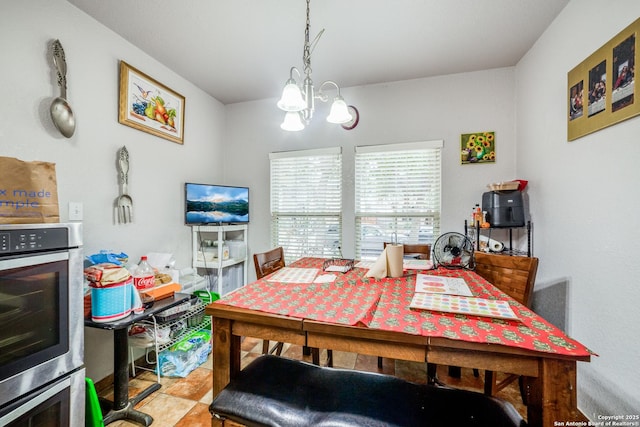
[{"x": 504, "y": 208}]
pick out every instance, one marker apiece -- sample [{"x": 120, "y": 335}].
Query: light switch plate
[{"x": 75, "y": 211}]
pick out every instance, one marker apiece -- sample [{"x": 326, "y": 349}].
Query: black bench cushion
[{"x": 275, "y": 391}]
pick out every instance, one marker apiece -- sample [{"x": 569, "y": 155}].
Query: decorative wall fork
[{"x": 124, "y": 203}]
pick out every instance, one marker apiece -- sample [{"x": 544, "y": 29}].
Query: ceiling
[{"x": 242, "y": 50}]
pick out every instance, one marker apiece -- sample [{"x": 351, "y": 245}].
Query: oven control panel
[
  {"x": 30, "y": 240},
  {"x": 4, "y": 242}
]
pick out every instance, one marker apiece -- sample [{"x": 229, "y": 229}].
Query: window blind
[
  {"x": 397, "y": 195},
  {"x": 306, "y": 202}
]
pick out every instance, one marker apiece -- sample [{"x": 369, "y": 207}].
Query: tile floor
[{"x": 183, "y": 402}]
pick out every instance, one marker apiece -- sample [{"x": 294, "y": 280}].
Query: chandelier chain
[{"x": 306, "y": 56}]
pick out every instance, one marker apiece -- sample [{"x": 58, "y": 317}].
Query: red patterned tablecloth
[{"x": 356, "y": 300}]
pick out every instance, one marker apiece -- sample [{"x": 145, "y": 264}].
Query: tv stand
[{"x": 228, "y": 272}]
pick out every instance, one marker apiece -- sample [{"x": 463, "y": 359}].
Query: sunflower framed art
[{"x": 478, "y": 147}]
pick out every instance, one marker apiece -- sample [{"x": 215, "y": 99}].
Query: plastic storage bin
[
  {"x": 176, "y": 312},
  {"x": 237, "y": 249},
  {"x": 191, "y": 281}
]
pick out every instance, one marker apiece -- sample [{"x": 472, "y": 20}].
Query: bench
[{"x": 276, "y": 391}]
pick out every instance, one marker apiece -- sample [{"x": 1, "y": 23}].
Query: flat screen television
[{"x": 207, "y": 204}]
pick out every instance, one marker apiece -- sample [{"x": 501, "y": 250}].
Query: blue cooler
[{"x": 111, "y": 302}]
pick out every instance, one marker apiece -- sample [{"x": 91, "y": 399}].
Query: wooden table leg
[
  {"x": 552, "y": 395},
  {"x": 221, "y": 354},
  {"x": 226, "y": 353}
]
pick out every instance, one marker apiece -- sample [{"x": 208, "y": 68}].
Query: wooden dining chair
[
  {"x": 266, "y": 263},
  {"x": 515, "y": 276},
  {"x": 419, "y": 251}
]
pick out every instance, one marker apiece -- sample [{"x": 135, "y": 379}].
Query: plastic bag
[
  {"x": 142, "y": 335},
  {"x": 108, "y": 256},
  {"x": 186, "y": 355}
]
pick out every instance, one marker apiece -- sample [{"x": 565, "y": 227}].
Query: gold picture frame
[
  {"x": 149, "y": 106},
  {"x": 479, "y": 147},
  {"x": 601, "y": 89}
]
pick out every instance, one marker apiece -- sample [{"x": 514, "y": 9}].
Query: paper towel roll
[
  {"x": 395, "y": 253},
  {"x": 493, "y": 245}
]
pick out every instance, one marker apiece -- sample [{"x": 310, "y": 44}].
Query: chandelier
[{"x": 299, "y": 101}]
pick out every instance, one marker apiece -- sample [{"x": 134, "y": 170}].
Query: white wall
[
  {"x": 586, "y": 205},
  {"x": 582, "y": 193},
  {"x": 415, "y": 110},
  {"x": 86, "y": 163}
]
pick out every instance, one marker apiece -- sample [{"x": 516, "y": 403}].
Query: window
[
  {"x": 306, "y": 202},
  {"x": 397, "y": 193}
]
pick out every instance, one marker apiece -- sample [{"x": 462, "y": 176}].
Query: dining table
[{"x": 348, "y": 311}]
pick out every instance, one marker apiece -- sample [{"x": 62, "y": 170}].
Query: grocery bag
[{"x": 28, "y": 192}]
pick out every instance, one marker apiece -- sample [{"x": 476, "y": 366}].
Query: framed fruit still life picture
[
  {"x": 478, "y": 147},
  {"x": 149, "y": 106}
]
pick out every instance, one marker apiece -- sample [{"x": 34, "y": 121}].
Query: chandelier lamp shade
[{"x": 298, "y": 101}]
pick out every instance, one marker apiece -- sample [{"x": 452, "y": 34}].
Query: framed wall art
[
  {"x": 601, "y": 89},
  {"x": 478, "y": 147},
  {"x": 149, "y": 106}
]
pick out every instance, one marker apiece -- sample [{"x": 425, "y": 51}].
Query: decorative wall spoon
[{"x": 61, "y": 112}]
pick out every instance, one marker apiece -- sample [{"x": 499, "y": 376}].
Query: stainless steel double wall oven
[{"x": 42, "y": 375}]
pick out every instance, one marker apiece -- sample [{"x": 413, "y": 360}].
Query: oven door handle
[{"x": 29, "y": 261}]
